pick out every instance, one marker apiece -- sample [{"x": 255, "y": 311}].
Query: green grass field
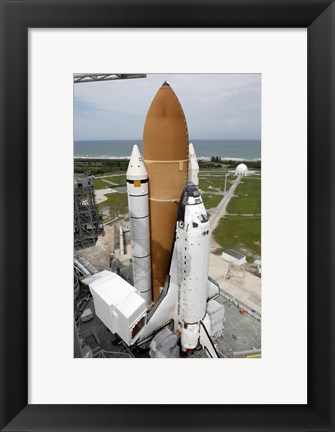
[
  {"x": 248, "y": 200},
  {"x": 115, "y": 200},
  {"x": 100, "y": 166},
  {"x": 211, "y": 201},
  {"x": 105, "y": 182},
  {"x": 100, "y": 184},
  {"x": 241, "y": 233},
  {"x": 121, "y": 179},
  {"x": 208, "y": 184}
]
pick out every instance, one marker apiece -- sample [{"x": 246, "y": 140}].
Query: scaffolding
[
  {"x": 92, "y": 77},
  {"x": 87, "y": 221}
]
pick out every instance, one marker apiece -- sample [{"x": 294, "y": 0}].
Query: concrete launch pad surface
[
  {"x": 97, "y": 336},
  {"x": 98, "y": 255},
  {"x": 242, "y": 332},
  {"x": 247, "y": 289}
]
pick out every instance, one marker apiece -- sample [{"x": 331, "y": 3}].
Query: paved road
[
  {"x": 221, "y": 208},
  {"x": 109, "y": 175}
]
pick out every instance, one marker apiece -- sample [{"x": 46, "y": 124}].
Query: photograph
[{"x": 167, "y": 215}]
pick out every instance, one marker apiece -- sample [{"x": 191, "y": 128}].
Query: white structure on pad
[
  {"x": 117, "y": 304},
  {"x": 234, "y": 257}
]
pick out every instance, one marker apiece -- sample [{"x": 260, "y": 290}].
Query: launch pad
[
  {"x": 240, "y": 296},
  {"x": 241, "y": 336}
]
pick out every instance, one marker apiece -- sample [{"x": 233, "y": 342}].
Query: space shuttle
[{"x": 168, "y": 308}]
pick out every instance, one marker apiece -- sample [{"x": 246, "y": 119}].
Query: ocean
[{"x": 205, "y": 149}]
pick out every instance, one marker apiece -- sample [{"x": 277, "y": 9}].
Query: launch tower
[{"x": 87, "y": 222}]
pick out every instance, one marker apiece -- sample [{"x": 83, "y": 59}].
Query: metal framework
[
  {"x": 87, "y": 221},
  {"x": 92, "y": 77}
]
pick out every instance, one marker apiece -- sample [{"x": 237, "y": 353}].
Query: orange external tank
[{"x": 165, "y": 154}]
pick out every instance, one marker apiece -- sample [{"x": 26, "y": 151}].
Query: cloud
[{"x": 217, "y": 106}]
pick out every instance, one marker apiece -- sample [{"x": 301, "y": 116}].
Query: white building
[{"x": 241, "y": 170}]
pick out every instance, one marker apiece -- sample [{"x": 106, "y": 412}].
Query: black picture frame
[{"x": 16, "y": 17}]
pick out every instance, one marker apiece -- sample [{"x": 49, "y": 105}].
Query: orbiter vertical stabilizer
[{"x": 193, "y": 166}]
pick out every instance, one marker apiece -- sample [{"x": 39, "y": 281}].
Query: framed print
[{"x": 18, "y": 214}]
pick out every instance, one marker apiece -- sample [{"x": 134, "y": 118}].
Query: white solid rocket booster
[
  {"x": 193, "y": 166},
  {"x": 137, "y": 188}
]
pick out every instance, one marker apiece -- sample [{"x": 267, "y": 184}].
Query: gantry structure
[
  {"x": 87, "y": 221},
  {"x": 93, "y": 77}
]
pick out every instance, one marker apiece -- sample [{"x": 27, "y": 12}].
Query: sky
[{"x": 216, "y": 106}]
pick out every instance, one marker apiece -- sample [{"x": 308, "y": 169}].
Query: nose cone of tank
[
  {"x": 165, "y": 135},
  {"x": 136, "y": 169}
]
